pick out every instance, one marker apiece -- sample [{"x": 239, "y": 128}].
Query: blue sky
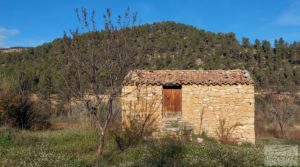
[{"x": 33, "y": 22}]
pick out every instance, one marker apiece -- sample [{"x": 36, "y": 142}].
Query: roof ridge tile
[{"x": 188, "y": 77}]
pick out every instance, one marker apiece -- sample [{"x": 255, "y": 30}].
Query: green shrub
[
  {"x": 213, "y": 154},
  {"x": 5, "y": 137},
  {"x": 167, "y": 152}
]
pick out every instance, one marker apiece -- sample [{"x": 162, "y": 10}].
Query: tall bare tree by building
[{"x": 96, "y": 63}]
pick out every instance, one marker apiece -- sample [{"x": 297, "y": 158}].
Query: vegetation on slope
[{"x": 166, "y": 45}]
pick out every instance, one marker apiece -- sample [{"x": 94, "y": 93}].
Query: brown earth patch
[
  {"x": 291, "y": 133},
  {"x": 63, "y": 125}
]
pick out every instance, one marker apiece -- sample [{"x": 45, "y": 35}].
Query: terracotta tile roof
[{"x": 187, "y": 77}]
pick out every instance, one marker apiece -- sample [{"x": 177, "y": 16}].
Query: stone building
[{"x": 195, "y": 99}]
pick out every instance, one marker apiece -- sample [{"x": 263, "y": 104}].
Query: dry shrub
[
  {"x": 224, "y": 132},
  {"x": 275, "y": 115},
  {"x": 140, "y": 120},
  {"x": 282, "y": 109},
  {"x": 135, "y": 131},
  {"x": 270, "y": 130},
  {"x": 273, "y": 131},
  {"x": 18, "y": 111}
]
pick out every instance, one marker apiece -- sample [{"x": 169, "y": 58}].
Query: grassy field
[
  {"x": 72, "y": 147},
  {"x": 76, "y": 147}
]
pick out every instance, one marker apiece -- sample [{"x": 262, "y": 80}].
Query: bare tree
[
  {"x": 282, "y": 111},
  {"x": 96, "y": 62}
]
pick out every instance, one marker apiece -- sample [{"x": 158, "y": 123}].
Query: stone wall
[
  {"x": 202, "y": 107},
  {"x": 140, "y": 101}
]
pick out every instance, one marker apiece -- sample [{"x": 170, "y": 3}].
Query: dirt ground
[{"x": 291, "y": 133}]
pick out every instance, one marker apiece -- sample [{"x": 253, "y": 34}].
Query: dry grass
[
  {"x": 225, "y": 131},
  {"x": 64, "y": 125},
  {"x": 271, "y": 131}
]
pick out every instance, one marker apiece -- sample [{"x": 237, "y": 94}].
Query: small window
[{"x": 172, "y": 99}]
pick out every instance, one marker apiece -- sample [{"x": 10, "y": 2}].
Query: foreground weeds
[
  {"x": 77, "y": 147},
  {"x": 170, "y": 153},
  {"x": 39, "y": 155},
  {"x": 47, "y": 148}
]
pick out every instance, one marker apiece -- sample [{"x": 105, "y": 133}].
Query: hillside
[{"x": 169, "y": 45}]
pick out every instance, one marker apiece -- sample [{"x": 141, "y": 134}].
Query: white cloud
[
  {"x": 5, "y": 34},
  {"x": 290, "y": 17}
]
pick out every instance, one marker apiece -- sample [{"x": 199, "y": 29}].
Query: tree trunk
[
  {"x": 101, "y": 145},
  {"x": 282, "y": 130},
  {"x": 70, "y": 113}
]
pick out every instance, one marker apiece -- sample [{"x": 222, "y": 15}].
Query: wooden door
[{"x": 172, "y": 99}]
